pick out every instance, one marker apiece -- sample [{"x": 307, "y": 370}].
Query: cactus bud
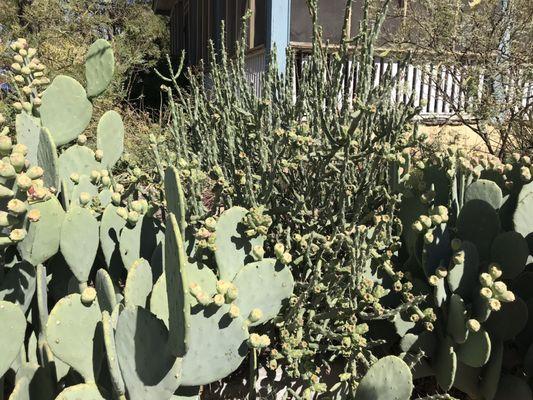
[
  {"x": 5, "y": 219},
  {"x": 99, "y": 155},
  {"x": 74, "y": 177},
  {"x": 458, "y": 258},
  {"x": 286, "y": 258},
  {"x": 34, "y": 215},
  {"x": 106, "y": 181},
  {"x": 84, "y": 198},
  {"x": 7, "y": 171},
  {"x": 218, "y": 299},
  {"x": 82, "y": 140},
  {"x": 203, "y": 299},
  {"x": 16, "y": 67},
  {"x": 17, "y": 235},
  {"x": 499, "y": 288},
  {"x": 441, "y": 272},
  {"x": 426, "y": 221},
  {"x": 95, "y": 176},
  {"x": 16, "y": 207},
  {"x": 436, "y": 219},
  {"x": 495, "y": 271},
  {"x": 495, "y": 305},
  {"x": 18, "y": 161},
  {"x": 222, "y": 287},
  {"x": 116, "y": 198},
  {"x": 210, "y": 224},
  {"x": 456, "y": 244},
  {"x": 119, "y": 188},
  {"x": 39, "y": 193},
  {"x": 255, "y": 315},
  {"x": 234, "y": 311},
  {"x": 136, "y": 206},
  {"x": 417, "y": 226},
  {"x": 122, "y": 212},
  {"x": 507, "y": 297},
  {"x": 279, "y": 250},
  {"x": 473, "y": 325},
  {"x": 5, "y": 144},
  {"x": 258, "y": 252},
  {"x": 88, "y": 296},
  {"x": 35, "y": 172},
  {"x": 433, "y": 280},
  {"x": 23, "y": 182},
  {"x": 485, "y": 293},
  {"x": 133, "y": 217},
  {"x": 232, "y": 293},
  {"x": 5, "y": 192},
  {"x": 485, "y": 279},
  {"x": 195, "y": 289},
  {"x": 254, "y": 341},
  {"x": 428, "y": 238},
  {"x": 264, "y": 341},
  {"x": 17, "y": 105}
]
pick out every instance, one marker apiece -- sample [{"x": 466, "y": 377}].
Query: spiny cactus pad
[
  {"x": 138, "y": 241},
  {"x": 149, "y": 369},
  {"x": 388, "y": 378},
  {"x": 79, "y": 160},
  {"x": 105, "y": 291},
  {"x": 18, "y": 285},
  {"x": 99, "y": 67},
  {"x": 475, "y": 352},
  {"x": 42, "y": 240},
  {"x": 174, "y": 196},
  {"x": 462, "y": 277},
  {"x": 138, "y": 284},
  {"x": 110, "y": 138},
  {"x": 510, "y": 251},
  {"x": 84, "y": 391},
  {"x": 509, "y": 321},
  {"x": 457, "y": 317},
  {"x": 233, "y": 248},
  {"x": 511, "y": 387},
  {"x": 485, "y": 190},
  {"x": 28, "y": 133},
  {"x": 74, "y": 333},
  {"x": 79, "y": 241},
  {"x": 65, "y": 109},
  {"x": 111, "y": 354},
  {"x": 492, "y": 371},
  {"x": 12, "y": 331},
  {"x": 523, "y": 215},
  {"x": 47, "y": 159},
  {"x": 265, "y": 285},
  {"x": 445, "y": 364},
  {"x": 110, "y": 227}
]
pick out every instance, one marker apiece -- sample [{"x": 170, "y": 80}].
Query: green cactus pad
[
  {"x": 177, "y": 288},
  {"x": 467, "y": 380},
  {"x": 105, "y": 290},
  {"x": 84, "y": 391},
  {"x": 511, "y": 387},
  {"x": 110, "y": 227},
  {"x": 12, "y": 331},
  {"x": 463, "y": 277},
  {"x": 265, "y": 285},
  {"x": 174, "y": 196},
  {"x": 47, "y": 159},
  {"x": 510, "y": 251},
  {"x": 111, "y": 354},
  {"x": 478, "y": 223},
  {"x": 233, "y": 248},
  {"x": 485, "y": 190},
  {"x": 42, "y": 240},
  {"x": 509, "y": 321},
  {"x": 445, "y": 364},
  {"x": 139, "y": 241},
  {"x": 74, "y": 334},
  {"x": 149, "y": 369},
  {"x": 110, "y": 138},
  {"x": 492, "y": 371},
  {"x": 28, "y": 133},
  {"x": 76, "y": 159},
  {"x": 138, "y": 284},
  {"x": 523, "y": 215},
  {"x": 99, "y": 67},
  {"x": 211, "y": 360},
  {"x": 18, "y": 285},
  {"x": 65, "y": 109},
  {"x": 425, "y": 341},
  {"x": 34, "y": 382},
  {"x": 79, "y": 232},
  {"x": 457, "y": 317},
  {"x": 389, "y": 378},
  {"x": 475, "y": 352}
]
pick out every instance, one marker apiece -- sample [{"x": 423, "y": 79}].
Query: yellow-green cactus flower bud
[
  {"x": 6, "y": 219},
  {"x": 495, "y": 271},
  {"x": 441, "y": 272},
  {"x": 428, "y": 238},
  {"x": 286, "y": 259},
  {"x": 429, "y": 326},
  {"x": 485, "y": 293},
  {"x": 39, "y": 193},
  {"x": 99, "y": 155},
  {"x": 20, "y": 148},
  {"x": 255, "y": 315},
  {"x": 106, "y": 181},
  {"x": 203, "y": 299},
  {"x": 26, "y": 90},
  {"x": 473, "y": 325},
  {"x": 24, "y": 182},
  {"x": 499, "y": 288},
  {"x": 254, "y": 341},
  {"x": 144, "y": 206},
  {"x": 35, "y": 172},
  {"x": 15, "y": 67},
  {"x": 18, "y": 58},
  {"x": 85, "y": 198},
  {"x": 458, "y": 258},
  {"x": 136, "y": 206},
  {"x": 7, "y": 171},
  {"x": 23, "y": 52},
  {"x": 232, "y": 293},
  {"x": 88, "y": 296},
  {"x": 495, "y": 305},
  {"x": 507, "y": 297},
  {"x": 5, "y": 144},
  {"x": 137, "y": 172},
  {"x": 82, "y": 140},
  {"x": 16, "y": 207},
  {"x": 122, "y": 212},
  {"x": 279, "y": 249},
  {"x": 75, "y": 178},
  {"x": 17, "y": 235},
  {"x": 6, "y": 193},
  {"x": 417, "y": 226},
  {"x": 210, "y": 224},
  {"x": 222, "y": 287},
  {"x": 17, "y": 105},
  {"x": 18, "y": 161},
  {"x": 218, "y": 299},
  {"x": 436, "y": 219},
  {"x": 133, "y": 217},
  {"x": 234, "y": 311},
  {"x": 426, "y": 221},
  {"x": 195, "y": 289},
  {"x": 119, "y": 188},
  {"x": 258, "y": 252},
  {"x": 456, "y": 244},
  {"x": 26, "y": 106},
  {"x": 433, "y": 280},
  {"x": 264, "y": 341},
  {"x": 525, "y": 174},
  {"x": 31, "y": 52},
  {"x": 34, "y": 215},
  {"x": 104, "y": 172},
  {"x": 116, "y": 198},
  {"x": 485, "y": 279},
  {"x": 95, "y": 176},
  {"x": 25, "y": 70}
]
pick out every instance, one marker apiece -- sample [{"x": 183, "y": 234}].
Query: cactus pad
[
  {"x": 111, "y": 354},
  {"x": 110, "y": 138},
  {"x": 389, "y": 378},
  {"x": 99, "y": 67},
  {"x": 509, "y": 321},
  {"x": 138, "y": 284},
  {"x": 84, "y": 391},
  {"x": 492, "y": 371},
  {"x": 523, "y": 215},
  {"x": 79, "y": 231},
  {"x": 105, "y": 290},
  {"x": 445, "y": 364},
  {"x": 28, "y": 133},
  {"x": 510, "y": 251},
  {"x": 18, "y": 285},
  {"x": 174, "y": 196},
  {"x": 138, "y": 241},
  {"x": 265, "y": 285},
  {"x": 74, "y": 334},
  {"x": 463, "y": 277},
  {"x": 457, "y": 317},
  {"x": 47, "y": 159},
  {"x": 475, "y": 352},
  {"x": 76, "y": 159},
  {"x": 12, "y": 331},
  {"x": 485, "y": 190},
  {"x": 65, "y": 109},
  {"x": 110, "y": 227},
  {"x": 511, "y": 387}
]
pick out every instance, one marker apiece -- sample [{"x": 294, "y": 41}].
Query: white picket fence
[{"x": 438, "y": 89}]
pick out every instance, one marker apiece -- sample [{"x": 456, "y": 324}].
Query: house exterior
[{"x": 278, "y": 24}]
